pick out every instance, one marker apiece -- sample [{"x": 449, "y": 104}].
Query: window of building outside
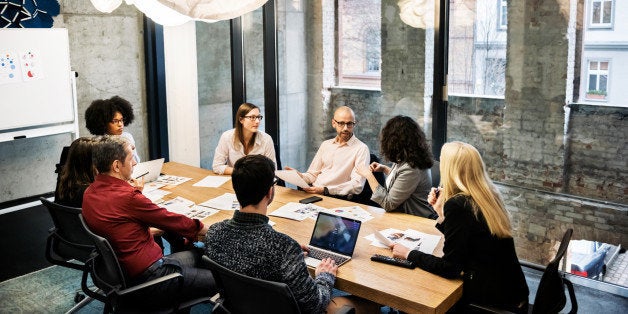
[
  {"x": 601, "y": 13},
  {"x": 503, "y": 14},
  {"x": 597, "y": 80},
  {"x": 359, "y": 43}
]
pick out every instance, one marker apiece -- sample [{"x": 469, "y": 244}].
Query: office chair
[
  {"x": 68, "y": 245},
  {"x": 117, "y": 294},
  {"x": 242, "y": 294},
  {"x": 435, "y": 171},
  {"x": 550, "y": 295}
]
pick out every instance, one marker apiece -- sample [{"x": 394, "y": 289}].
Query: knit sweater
[{"x": 248, "y": 245}]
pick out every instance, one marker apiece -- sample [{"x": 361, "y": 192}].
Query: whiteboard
[{"x": 35, "y": 79}]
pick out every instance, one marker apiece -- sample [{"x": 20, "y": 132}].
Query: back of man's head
[
  {"x": 108, "y": 149},
  {"x": 252, "y": 177}
]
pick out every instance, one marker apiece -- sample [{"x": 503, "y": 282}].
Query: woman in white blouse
[{"x": 244, "y": 139}]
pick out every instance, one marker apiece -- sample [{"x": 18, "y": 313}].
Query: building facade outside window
[
  {"x": 597, "y": 80},
  {"x": 359, "y": 43}
]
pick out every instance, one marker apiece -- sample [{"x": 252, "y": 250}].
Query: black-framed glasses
[
  {"x": 275, "y": 180},
  {"x": 117, "y": 121},
  {"x": 342, "y": 124},
  {"x": 253, "y": 118}
]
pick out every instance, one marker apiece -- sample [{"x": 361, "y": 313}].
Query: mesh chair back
[
  {"x": 68, "y": 241},
  {"x": 550, "y": 296},
  {"x": 106, "y": 271},
  {"x": 244, "y": 294}
]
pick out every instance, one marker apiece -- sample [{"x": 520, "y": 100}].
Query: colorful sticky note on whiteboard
[
  {"x": 32, "y": 69},
  {"x": 9, "y": 68}
]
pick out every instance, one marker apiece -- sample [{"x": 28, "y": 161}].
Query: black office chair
[
  {"x": 118, "y": 295},
  {"x": 243, "y": 294},
  {"x": 550, "y": 295},
  {"x": 68, "y": 244}
]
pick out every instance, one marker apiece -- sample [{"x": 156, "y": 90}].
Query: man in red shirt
[{"x": 118, "y": 211}]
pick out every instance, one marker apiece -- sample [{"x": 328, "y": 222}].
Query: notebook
[
  {"x": 334, "y": 237},
  {"x": 153, "y": 167}
]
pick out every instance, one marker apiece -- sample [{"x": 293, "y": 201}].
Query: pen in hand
[{"x": 141, "y": 175}]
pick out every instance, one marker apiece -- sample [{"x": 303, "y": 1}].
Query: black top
[{"x": 492, "y": 274}]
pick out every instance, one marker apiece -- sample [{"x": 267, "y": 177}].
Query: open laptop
[
  {"x": 153, "y": 167},
  {"x": 334, "y": 237}
]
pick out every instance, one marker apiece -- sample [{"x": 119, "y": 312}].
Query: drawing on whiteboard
[
  {"x": 31, "y": 66},
  {"x": 9, "y": 71}
]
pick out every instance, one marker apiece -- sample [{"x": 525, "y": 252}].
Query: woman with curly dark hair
[
  {"x": 110, "y": 116},
  {"x": 409, "y": 179}
]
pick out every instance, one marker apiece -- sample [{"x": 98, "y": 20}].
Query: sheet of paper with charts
[
  {"x": 227, "y": 201},
  {"x": 186, "y": 207},
  {"x": 410, "y": 238}
]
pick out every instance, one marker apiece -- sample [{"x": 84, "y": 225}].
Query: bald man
[{"x": 332, "y": 171}]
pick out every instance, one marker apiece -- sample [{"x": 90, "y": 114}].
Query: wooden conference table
[{"x": 411, "y": 291}]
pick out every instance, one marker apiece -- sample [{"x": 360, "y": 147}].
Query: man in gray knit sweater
[{"x": 248, "y": 245}]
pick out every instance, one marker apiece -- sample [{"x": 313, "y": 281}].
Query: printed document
[{"x": 292, "y": 177}]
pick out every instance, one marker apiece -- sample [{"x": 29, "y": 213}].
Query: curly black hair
[
  {"x": 101, "y": 111},
  {"x": 402, "y": 140}
]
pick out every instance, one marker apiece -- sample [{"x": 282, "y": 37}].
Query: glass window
[
  {"x": 359, "y": 43},
  {"x": 601, "y": 13},
  {"x": 503, "y": 14},
  {"x": 598, "y": 80}
]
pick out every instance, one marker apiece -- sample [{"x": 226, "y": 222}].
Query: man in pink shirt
[
  {"x": 332, "y": 171},
  {"x": 118, "y": 211}
]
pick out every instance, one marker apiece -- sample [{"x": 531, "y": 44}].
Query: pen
[{"x": 141, "y": 175}]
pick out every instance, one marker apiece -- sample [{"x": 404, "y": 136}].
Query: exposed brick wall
[{"x": 597, "y": 164}]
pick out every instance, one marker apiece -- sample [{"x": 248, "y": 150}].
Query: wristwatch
[{"x": 325, "y": 191}]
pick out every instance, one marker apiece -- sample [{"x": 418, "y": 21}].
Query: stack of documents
[{"x": 186, "y": 207}]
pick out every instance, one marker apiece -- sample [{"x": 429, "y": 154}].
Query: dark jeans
[{"x": 197, "y": 282}]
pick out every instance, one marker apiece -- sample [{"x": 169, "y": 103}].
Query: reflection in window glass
[{"x": 359, "y": 43}]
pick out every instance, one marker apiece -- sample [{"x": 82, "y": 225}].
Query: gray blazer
[{"x": 407, "y": 191}]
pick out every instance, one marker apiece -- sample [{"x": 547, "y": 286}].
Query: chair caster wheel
[{"x": 78, "y": 297}]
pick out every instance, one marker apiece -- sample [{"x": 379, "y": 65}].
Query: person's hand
[
  {"x": 400, "y": 251},
  {"x": 437, "y": 201},
  {"x": 305, "y": 249},
  {"x": 327, "y": 265},
  {"x": 314, "y": 189},
  {"x": 377, "y": 167},
  {"x": 433, "y": 196},
  {"x": 155, "y": 231},
  {"x": 138, "y": 184},
  {"x": 363, "y": 170}
]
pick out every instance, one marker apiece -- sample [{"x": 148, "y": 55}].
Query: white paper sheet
[
  {"x": 167, "y": 179},
  {"x": 292, "y": 177},
  {"x": 412, "y": 239},
  {"x": 227, "y": 201},
  {"x": 353, "y": 212},
  {"x": 212, "y": 181},
  {"x": 297, "y": 211}
]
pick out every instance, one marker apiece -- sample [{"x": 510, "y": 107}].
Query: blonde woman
[
  {"x": 244, "y": 139},
  {"x": 479, "y": 247}
]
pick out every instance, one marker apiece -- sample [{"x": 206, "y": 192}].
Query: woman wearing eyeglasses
[
  {"x": 109, "y": 117},
  {"x": 409, "y": 179},
  {"x": 244, "y": 139}
]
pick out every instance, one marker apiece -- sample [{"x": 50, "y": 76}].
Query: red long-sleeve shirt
[{"x": 117, "y": 211}]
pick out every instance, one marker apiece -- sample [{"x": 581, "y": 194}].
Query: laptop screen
[{"x": 335, "y": 233}]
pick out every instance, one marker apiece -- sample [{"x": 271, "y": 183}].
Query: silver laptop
[
  {"x": 150, "y": 169},
  {"x": 334, "y": 237}
]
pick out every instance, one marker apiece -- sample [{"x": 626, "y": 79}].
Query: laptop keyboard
[{"x": 319, "y": 254}]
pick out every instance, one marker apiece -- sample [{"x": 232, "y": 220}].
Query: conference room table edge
[{"x": 413, "y": 291}]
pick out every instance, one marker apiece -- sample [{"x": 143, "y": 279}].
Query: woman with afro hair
[
  {"x": 409, "y": 180},
  {"x": 110, "y": 116}
]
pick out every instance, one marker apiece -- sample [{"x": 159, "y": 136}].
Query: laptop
[
  {"x": 151, "y": 169},
  {"x": 334, "y": 237}
]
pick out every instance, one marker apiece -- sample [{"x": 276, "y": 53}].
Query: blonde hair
[{"x": 463, "y": 172}]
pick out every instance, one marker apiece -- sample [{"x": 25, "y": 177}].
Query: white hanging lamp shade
[
  {"x": 160, "y": 13},
  {"x": 412, "y": 12},
  {"x": 213, "y": 9},
  {"x": 106, "y": 6}
]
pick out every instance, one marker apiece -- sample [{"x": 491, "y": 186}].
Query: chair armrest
[{"x": 149, "y": 283}]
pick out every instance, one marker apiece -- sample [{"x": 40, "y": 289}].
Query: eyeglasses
[
  {"x": 117, "y": 121},
  {"x": 342, "y": 124},
  {"x": 275, "y": 181},
  {"x": 253, "y": 118}
]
